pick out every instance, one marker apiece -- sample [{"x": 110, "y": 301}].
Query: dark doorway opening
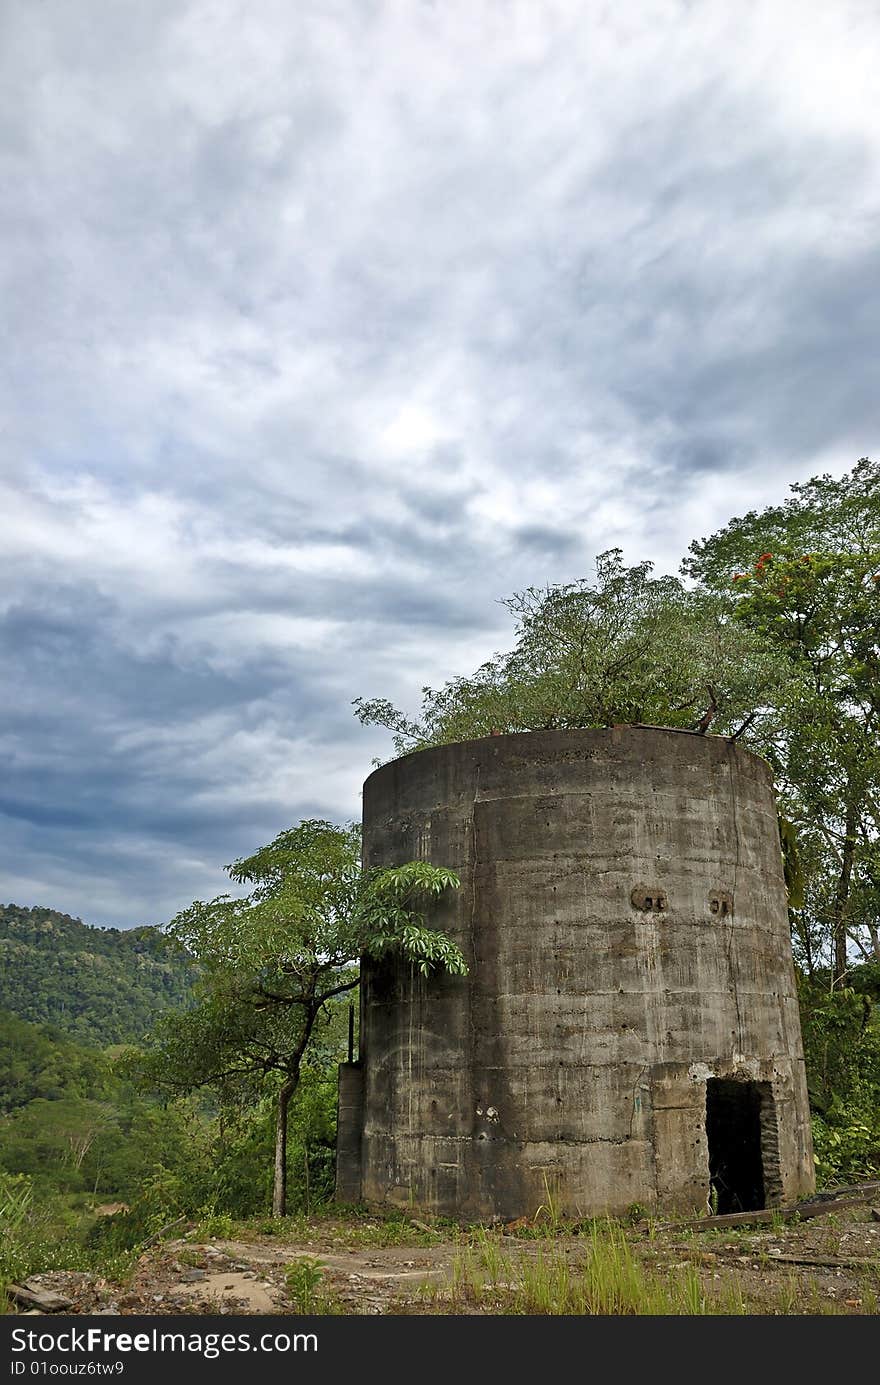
[{"x": 733, "y": 1131}]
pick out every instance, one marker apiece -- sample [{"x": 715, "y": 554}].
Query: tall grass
[
  {"x": 602, "y": 1278},
  {"x": 16, "y": 1199}
]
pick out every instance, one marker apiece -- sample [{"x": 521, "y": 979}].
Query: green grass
[
  {"x": 216, "y": 1227},
  {"x": 545, "y": 1265},
  {"x": 354, "y": 1227},
  {"x": 601, "y": 1277}
]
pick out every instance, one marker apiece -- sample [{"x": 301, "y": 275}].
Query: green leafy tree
[
  {"x": 274, "y": 960},
  {"x": 242, "y": 1149},
  {"x": 627, "y": 647},
  {"x": 805, "y": 577}
]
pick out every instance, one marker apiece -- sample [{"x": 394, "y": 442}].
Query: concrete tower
[{"x": 628, "y": 1031}]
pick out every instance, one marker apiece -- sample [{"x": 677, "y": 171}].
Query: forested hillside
[
  {"x": 73, "y": 1125},
  {"x": 97, "y": 985},
  {"x": 39, "y": 1063}
]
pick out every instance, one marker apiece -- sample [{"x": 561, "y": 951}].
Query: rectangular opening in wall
[{"x": 733, "y": 1133}]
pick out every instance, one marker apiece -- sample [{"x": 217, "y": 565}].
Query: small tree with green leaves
[{"x": 274, "y": 959}]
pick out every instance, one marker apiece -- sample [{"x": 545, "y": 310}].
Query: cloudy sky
[{"x": 329, "y": 323}]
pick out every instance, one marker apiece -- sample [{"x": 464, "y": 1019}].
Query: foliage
[
  {"x": 53, "y": 1140},
  {"x": 841, "y": 1033},
  {"x": 274, "y": 961},
  {"x": 73, "y": 1125},
  {"x": 296, "y": 925},
  {"x": 16, "y": 1198},
  {"x": 17, "y": 1216},
  {"x": 627, "y": 648},
  {"x": 805, "y": 576},
  {"x": 40, "y": 1232},
  {"x": 847, "y": 1149},
  {"x": 241, "y": 1152},
  {"x": 36, "y": 1061},
  {"x": 96, "y": 985},
  {"x": 390, "y": 917},
  {"x": 305, "y": 1284},
  {"x": 823, "y": 514},
  {"x": 312, "y": 912},
  {"x": 106, "y": 1149},
  {"x": 841, "y": 1044}
]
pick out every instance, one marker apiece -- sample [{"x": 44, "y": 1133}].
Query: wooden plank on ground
[{"x": 804, "y": 1211}]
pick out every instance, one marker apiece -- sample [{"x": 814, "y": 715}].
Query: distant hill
[{"x": 98, "y": 985}]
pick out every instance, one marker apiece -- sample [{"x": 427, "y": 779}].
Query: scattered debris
[{"x": 793, "y": 1268}]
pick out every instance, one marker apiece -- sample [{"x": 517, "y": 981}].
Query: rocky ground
[{"x": 363, "y": 1265}]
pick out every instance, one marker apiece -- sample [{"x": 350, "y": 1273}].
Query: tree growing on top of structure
[{"x": 627, "y": 647}]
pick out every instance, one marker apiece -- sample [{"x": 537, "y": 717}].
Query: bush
[
  {"x": 841, "y": 1032},
  {"x": 846, "y": 1146}
]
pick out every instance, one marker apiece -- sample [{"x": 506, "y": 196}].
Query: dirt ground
[{"x": 337, "y": 1264}]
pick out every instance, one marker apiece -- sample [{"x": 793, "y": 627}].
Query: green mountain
[{"x": 98, "y": 985}]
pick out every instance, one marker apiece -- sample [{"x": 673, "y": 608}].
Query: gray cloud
[{"x": 326, "y": 327}]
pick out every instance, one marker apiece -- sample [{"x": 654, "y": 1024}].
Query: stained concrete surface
[{"x": 624, "y": 917}]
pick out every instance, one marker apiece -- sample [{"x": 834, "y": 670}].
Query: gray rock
[{"x": 44, "y": 1300}]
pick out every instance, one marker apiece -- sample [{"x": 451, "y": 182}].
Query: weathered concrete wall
[
  {"x": 349, "y": 1132},
  {"x": 623, "y": 914}
]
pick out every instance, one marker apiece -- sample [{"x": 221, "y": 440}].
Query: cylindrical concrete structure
[{"x": 628, "y": 1032}]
